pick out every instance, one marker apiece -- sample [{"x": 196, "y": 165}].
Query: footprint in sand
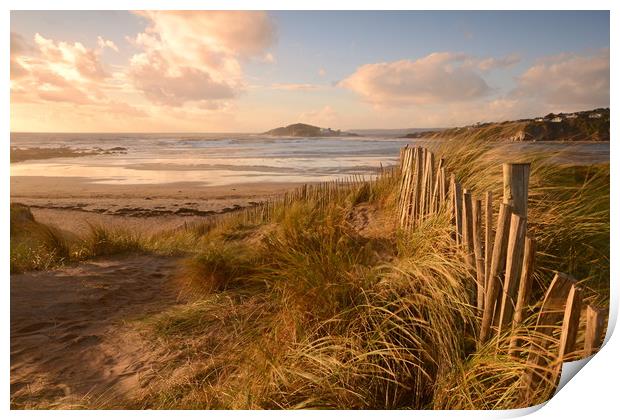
[{"x": 68, "y": 342}]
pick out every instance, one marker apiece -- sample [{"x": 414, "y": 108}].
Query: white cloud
[
  {"x": 436, "y": 78},
  {"x": 195, "y": 56},
  {"x": 73, "y": 61},
  {"x": 296, "y": 86},
  {"x": 569, "y": 81},
  {"x": 55, "y": 71},
  {"x": 490, "y": 63},
  {"x": 106, "y": 43},
  {"x": 68, "y": 74}
]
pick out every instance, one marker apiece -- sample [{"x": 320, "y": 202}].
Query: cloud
[
  {"x": 19, "y": 46},
  {"x": 194, "y": 56},
  {"x": 72, "y": 60},
  {"x": 437, "y": 78},
  {"x": 295, "y": 86},
  {"x": 490, "y": 63},
  {"x": 65, "y": 74},
  {"x": 55, "y": 71},
  {"x": 106, "y": 43},
  {"x": 570, "y": 81},
  {"x": 165, "y": 85}
]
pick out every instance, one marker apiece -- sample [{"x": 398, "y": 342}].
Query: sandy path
[{"x": 69, "y": 344}]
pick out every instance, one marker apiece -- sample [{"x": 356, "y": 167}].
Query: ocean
[{"x": 224, "y": 159}]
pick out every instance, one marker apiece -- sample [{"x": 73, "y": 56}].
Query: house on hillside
[
  {"x": 539, "y": 120},
  {"x": 557, "y": 119},
  {"x": 572, "y": 116},
  {"x": 595, "y": 115}
]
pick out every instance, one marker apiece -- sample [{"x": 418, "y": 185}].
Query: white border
[{"x": 592, "y": 394}]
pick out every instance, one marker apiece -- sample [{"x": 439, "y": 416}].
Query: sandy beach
[
  {"x": 94, "y": 300},
  {"x": 71, "y": 203},
  {"x": 71, "y": 343}
]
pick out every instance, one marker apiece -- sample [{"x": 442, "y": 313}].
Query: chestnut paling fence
[
  {"x": 321, "y": 194},
  {"x": 501, "y": 256},
  {"x": 495, "y": 247}
]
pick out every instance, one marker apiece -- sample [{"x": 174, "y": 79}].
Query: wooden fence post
[
  {"x": 436, "y": 199},
  {"x": 457, "y": 201},
  {"x": 430, "y": 182},
  {"x": 418, "y": 187},
  {"x": 514, "y": 262},
  {"x": 525, "y": 285},
  {"x": 404, "y": 204},
  {"x": 424, "y": 185},
  {"x": 443, "y": 186},
  {"x": 594, "y": 330},
  {"x": 570, "y": 325},
  {"x": 468, "y": 227},
  {"x": 477, "y": 239},
  {"x": 549, "y": 318},
  {"x": 488, "y": 235},
  {"x": 516, "y": 184},
  {"x": 497, "y": 264}
]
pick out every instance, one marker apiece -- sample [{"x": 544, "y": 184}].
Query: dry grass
[{"x": 301, "y": 309}]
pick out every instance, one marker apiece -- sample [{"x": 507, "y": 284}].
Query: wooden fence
[
  {"x": 322, "y": 194},
  {"x": 497, "y": 249},
  {"x": 501, "y": 257}
]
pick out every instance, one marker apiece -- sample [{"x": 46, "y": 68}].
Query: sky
[{"x": 250, "y": 71}]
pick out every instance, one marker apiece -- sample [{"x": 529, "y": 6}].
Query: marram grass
[{"x": 325, "y": 303}]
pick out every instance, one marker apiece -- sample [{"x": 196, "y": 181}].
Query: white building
[
  {"x": 596, "y": 115},
  {"x": 557, "y": 119}
]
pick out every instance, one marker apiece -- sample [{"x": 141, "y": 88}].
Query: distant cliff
[
  {"x": 577, "y": 126},
  {"x": 305, "y": 130}
]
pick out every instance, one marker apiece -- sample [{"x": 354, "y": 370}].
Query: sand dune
[{"x": 69, "y": 343}]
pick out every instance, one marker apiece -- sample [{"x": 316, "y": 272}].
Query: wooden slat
[
  {"x": 436, "y": 199},
  {"x": 525, "y": 286},
  {"x": 514, "y": 263},
  {"x": 404, "y": 203},
  {"x": 404, "y": 171},
  {"x": 468, "y": 222},
  {"x": 443, "y": 186},
  {"x": 488, "y": 234},
  {"x": 424, "y": 183},
  {"x": 477, "y": 240},
  {"x": 452, "y": 202},
  {"x": 570, "y": 325},
  {"x": 497, "y": 264},
  {"x": 417, "y": 189},
  {"x": 458, "y": 206},
  {"x": 595, "y": 319},
  {"x": 430, "y": 182},
  {"x": 419, "y": 164},
  {"x": 549, "y": 320}
]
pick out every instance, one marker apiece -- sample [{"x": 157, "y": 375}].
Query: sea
[{"x": 224, "y": 159}]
